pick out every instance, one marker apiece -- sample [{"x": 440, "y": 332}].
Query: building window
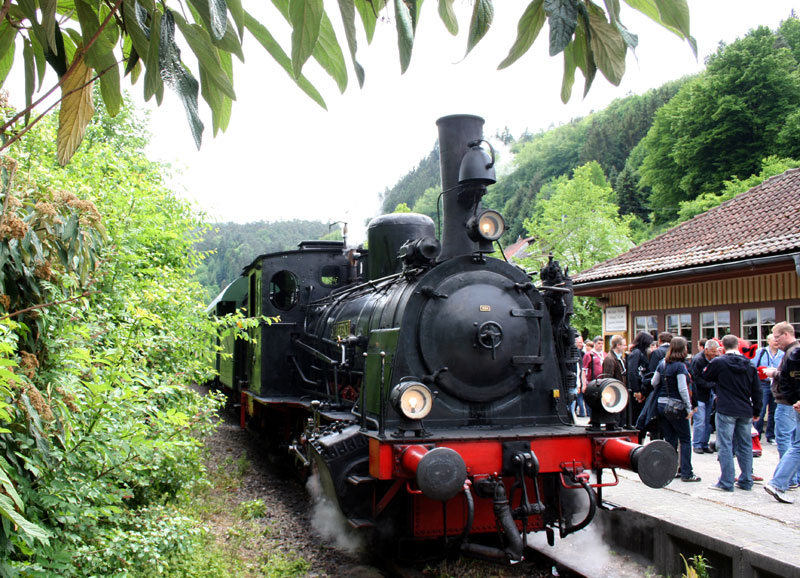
[
  {"x": 647, "y": 323},
  {"x": 715, "y": 324},
  {"x": 757, "y": 324},
  {"x": 681, "y": 324},
  {"x": 793, "y": 317}
]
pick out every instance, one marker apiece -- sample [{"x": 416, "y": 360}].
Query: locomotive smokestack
[{"x": 455, "y": 132}]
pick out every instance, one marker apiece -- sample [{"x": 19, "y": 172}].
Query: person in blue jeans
[
  {"x": 705, "y": 397},
  {"x": 770, "y": 356},
  {"x": 671, "y": 381},
  {"x": 739, "y": 401},
  {"x": 786, "y": 389}
]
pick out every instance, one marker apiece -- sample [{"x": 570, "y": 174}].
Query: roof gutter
[{"x": 745, "y": 263}]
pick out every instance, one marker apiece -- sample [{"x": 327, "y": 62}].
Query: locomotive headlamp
[
  {"x": 491, "y": 225},
  {"x": 606, "y": 398},
  {"x": 488, "y": 226},
  {"x": 412, "y": 399}
]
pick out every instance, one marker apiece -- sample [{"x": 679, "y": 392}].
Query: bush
[{"x": 102, "y": 334}]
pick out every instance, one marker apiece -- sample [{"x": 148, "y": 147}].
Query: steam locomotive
[{"x": 426, "y": 382}]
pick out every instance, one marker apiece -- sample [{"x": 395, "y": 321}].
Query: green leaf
[
  {"x": 448, "y": 16},
  {"x": 153, "y": 85},
  {"x": 8, "y": 485},
  {"x": 7, "y": 49},
  {"x": 207, "y": 54},
  {"x": 30, "y": 75},
  {"x": 675, "y": 16},
  {"x": 229, "y": 41},
  {"x": 368, "y": 11},
  {"x": 528, "y": 28},
  {"x": 218, "y": 17},
  {"x": 305, "y": 18},
  {"x": 563, "y": 18},
  {"x": 612, "y": 8},
  {"x": 405, "y": 33},
  {"x": 608, "y": 47},
  {"x": 41, "y": 61},
  {"x": 237, "y": 12},
  {"x": 28, "y": 527},
  {"x": 28, "y": 8},
  {"x": 674, "y": 13},
  {"x": 269, "y": 43},
  {"x": 215, "y": 99},
  {"x": 327, "y": 51},
  {"x": 100, "y": 55},
  {"x": 569, "y": 73},
  {"x": 48, "y": 8},
  {"x": 214, "y": 14},
  {"x": 482, "y": 16},
  {"x": 328, "y": 54},
  {"x": 7, "y": 35},
  {"x": 582, "y": 52},
  {"x": 134, "y": 16},
  {"x": 177, "y": 76},
  {"x": 348, "y": 11},
  {"x": 646, "y": 7}
]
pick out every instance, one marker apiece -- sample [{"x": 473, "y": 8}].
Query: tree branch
[
  {"x": 4, "y": 10},
  {"x": 52, "y": 304},
  {"x": 30, "y": 125}
]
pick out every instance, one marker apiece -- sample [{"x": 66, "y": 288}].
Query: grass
[{"x": 239, "y": 541}]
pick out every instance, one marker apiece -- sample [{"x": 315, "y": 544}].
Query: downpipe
[
  {"x": 570, "y": 528},
  {"x": 502, "y": 512}
]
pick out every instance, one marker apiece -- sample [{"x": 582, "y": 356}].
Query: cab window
[{"x": 283, "y": 290}]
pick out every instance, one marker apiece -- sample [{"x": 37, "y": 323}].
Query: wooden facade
[{"x": 737, "y": 296}]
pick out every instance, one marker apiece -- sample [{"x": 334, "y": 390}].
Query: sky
[{"x": 284, "y": 157}]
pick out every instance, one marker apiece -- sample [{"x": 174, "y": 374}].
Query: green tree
[
  {"x": 770, "y": 167},
  {"x": 84, "y": 42},
  {"x": 579, "y": 224},
  {"x": 724, "y": 122}
]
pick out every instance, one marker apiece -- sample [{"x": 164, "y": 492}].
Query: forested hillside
[{"x": 229, "y": 247}]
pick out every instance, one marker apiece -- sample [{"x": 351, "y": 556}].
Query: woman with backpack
[{"x": 671, "y": 388}]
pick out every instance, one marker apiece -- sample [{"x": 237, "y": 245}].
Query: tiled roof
[
  {"x": 514, "y": 249},
  {"x": 762, "y": 221}
]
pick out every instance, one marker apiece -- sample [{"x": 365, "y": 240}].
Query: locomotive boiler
[{"x": 426, "y": 381}]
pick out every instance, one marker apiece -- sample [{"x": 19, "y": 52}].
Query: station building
[{"x": 733, "y": 269}]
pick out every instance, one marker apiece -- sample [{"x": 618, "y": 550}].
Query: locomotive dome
[{"x": 387, "y": 233}]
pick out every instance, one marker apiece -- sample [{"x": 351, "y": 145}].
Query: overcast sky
[{"x": 284, "y": 157}]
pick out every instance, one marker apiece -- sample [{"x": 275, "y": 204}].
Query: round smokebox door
[{"x": 473, "y": 333}]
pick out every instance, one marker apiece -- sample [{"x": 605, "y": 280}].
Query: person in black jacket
[
  {"x": 658, "y": 354},
  {"x": 637, "y": 362},
  {"x": 738, "y": 403},
  {"x": 705, "y": 397}
]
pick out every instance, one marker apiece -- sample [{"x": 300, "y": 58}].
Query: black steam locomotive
[{"x": 427, "y": 382}]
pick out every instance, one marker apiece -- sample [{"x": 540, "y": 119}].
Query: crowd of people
[{"x": 729, "y": 387}]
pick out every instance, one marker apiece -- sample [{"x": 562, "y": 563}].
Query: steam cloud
[{"x": 329, "y": 522}]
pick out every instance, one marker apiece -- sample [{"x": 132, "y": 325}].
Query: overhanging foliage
[{"x": 84, "y": 41}]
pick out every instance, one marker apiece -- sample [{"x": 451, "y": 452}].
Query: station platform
[{"x": 743, "y": 534}]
